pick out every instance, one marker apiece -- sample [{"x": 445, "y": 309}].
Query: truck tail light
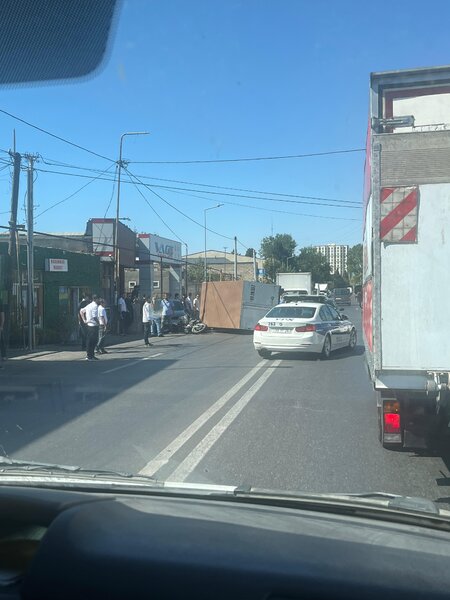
[
  {"x": 303, "y": 328},
  {"x": 260, "y": 327},
  {"x": 392, "y": 421}
]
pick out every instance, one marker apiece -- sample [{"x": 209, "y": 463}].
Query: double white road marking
[{"x": 192, "y": 460}]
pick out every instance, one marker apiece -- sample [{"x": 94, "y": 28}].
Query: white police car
[{"x": 303, "y": 327}]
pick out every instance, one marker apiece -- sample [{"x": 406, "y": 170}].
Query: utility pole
[
  {"x": 186, "y": 271},
  {"x": 255, "y": 268},
  {"x": 12, "y": 246},
  {"x": 120, "y": 164},
  {"x": 161, "y": 275},
  {"x": 235, "y": 276},
  {"x": 30, "y": 249}
]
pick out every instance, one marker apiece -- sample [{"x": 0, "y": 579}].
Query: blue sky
[{"x": 213, "y": 80}]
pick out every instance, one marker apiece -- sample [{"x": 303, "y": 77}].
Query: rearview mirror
[{"x": 344, "y": 317}]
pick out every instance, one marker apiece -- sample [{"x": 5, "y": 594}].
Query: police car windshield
[{"x": 292, "y": 312}]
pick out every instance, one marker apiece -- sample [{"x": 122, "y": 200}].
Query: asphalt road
[{"x": 208, "y": 409}]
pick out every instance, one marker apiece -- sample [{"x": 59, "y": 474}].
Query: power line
[
  {"x": 180, "y": 211},
  {"x": 222, "y": 187},
  {"x": 53, "y": 135},
  {"x": 156, "y": 212},
  {"x": 233, "y": 160},
  {"x": 166, "y": 187},
  {"x": 287, "y": 212},
  {"x": 104, "y": 244},
  {"x": 73, "y": 193}
]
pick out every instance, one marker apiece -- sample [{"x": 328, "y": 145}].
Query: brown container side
[{"x": 221, "y": 304}]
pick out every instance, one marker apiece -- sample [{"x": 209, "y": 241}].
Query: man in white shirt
[
  {"x": 147, "y": 317},
  {"x": 188, "y": 303},
  {"x": 167, "y": 312},
  {"x": 196, "y": 305},
  {"x": 89, "y": 314},
  {"x": 102, "y": 327},
  {"x": 122, "y": 310}
]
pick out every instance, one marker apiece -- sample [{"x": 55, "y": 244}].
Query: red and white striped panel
[{"x": 399, "y": 212}]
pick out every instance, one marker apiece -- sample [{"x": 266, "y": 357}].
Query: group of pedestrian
[
  {"x": 157, "y": 313},
  {"x": 156, "y": 317},
  {"x": 93, "y": 325},
  {"x": 192, "y": 306}
]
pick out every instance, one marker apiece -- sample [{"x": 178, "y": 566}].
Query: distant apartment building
[{"x": 336, "y": 255}]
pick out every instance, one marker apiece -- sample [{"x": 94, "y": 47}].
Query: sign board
[
  {"x": 261, "y": 271},
  {"x": 57, "y": 264},
  {"x": 152, "y": 247}
]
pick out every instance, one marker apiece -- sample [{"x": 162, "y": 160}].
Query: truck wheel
[
  {"x": 353, "y": 340},
  {"x": 264, "y": 353},
  {"x": 326, "y": 350}
]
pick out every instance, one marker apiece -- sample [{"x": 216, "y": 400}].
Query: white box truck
[
  {"x": 295, "y": 284},
  {"x": 407, "y": 252}
]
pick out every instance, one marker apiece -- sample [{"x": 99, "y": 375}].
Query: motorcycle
[{"x": 194, "y": 326}]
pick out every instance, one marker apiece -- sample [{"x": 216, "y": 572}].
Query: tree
[
  {"x": 355, "y": 264},
  {"x": 339, "y": 281},
  {"x": 249, "y": 252},
  {"x": 309, "y": 260},
  {"x": 275, "y": 250},
  {"x": 195, "y": 272}
]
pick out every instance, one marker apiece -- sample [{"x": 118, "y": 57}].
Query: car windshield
[
  {"x": 229, "y": 154},
  {"x": 291, "y": 312}
]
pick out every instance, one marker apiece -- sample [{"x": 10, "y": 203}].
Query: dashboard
[{"x": 71, "y": 544}]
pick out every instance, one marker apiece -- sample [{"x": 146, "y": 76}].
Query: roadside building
[
  {"x": 60, "y": 279},
  {"x": 220, "y": 265},
  {"x": 160, "y": 265},
  {"x": 336, "y": 255}
]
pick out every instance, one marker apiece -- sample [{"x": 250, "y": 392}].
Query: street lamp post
[
  {"x": 204, "y": 215},
  {"x": 287, "y": 261},
  {"x": 116, "y": 226},
  {"x": 186, "y": 271}
]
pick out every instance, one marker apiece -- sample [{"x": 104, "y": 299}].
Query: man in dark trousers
[
  {"x": 89, "y": 314},
  {"x": 82, "y": 326}
]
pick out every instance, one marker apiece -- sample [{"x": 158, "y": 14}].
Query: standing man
[
  {"x": 122, "y": 313},
  {"x": 188, "y": 304},
  {"x": 130, "y": 312},
  {"x": 167, "y": 311},
  {"x": 156, "y": 312},
  {"x": 86, "y": 299},
  {"x": 147, "y": 321},
  {"x": 102, "y": 328},
  {"x": 196, "y": 306},
  {"x": 89, "y": 314}
]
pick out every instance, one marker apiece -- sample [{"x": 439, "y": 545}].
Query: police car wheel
[{"x": 326, "y": 350}]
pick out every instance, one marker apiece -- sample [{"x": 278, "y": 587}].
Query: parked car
[{"x": 303, "y": 327}]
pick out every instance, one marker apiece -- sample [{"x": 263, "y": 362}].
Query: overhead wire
[
  {"x": 181, "y": 212},
  {"x": 165, "y": 187},
  {"x": 287, "y": 212},
  {"x": 155, "y": 211},
  {"x": 92, "y": 179},
  {"x": 246, "y": 159},
  {"x": 50, "y": 162},
  {"x": 53, "y": 135}
]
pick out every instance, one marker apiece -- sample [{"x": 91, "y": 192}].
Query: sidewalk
[{"x": 59, "y": 351}]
